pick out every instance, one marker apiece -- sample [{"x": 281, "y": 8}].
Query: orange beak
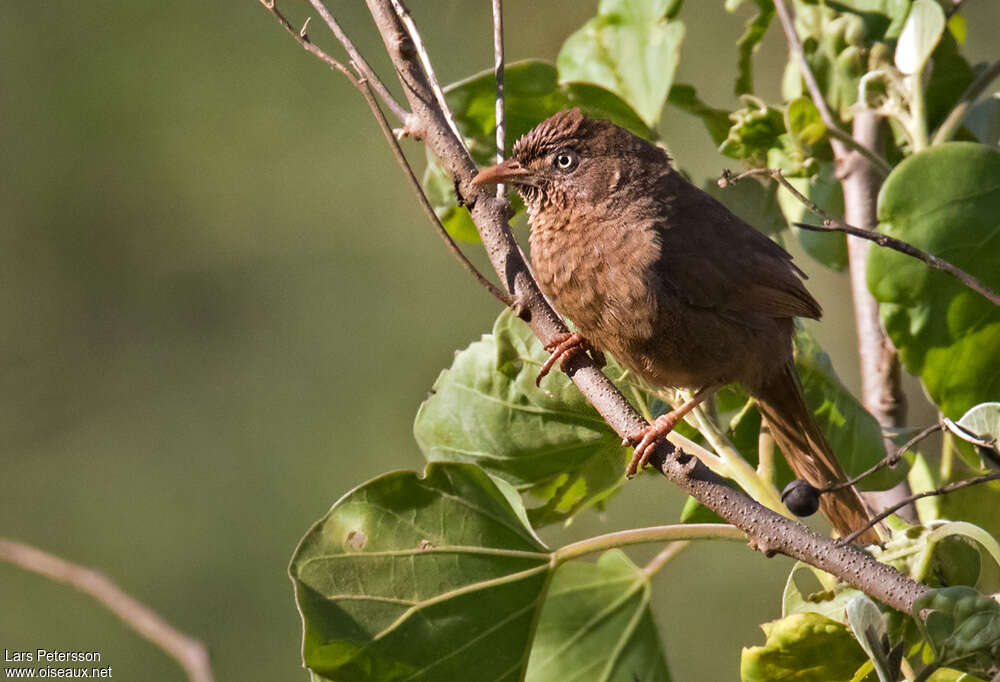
[{"x": 508, "y": 171}]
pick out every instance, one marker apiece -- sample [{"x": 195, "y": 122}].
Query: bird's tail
[{"x": 782, "y": 404}]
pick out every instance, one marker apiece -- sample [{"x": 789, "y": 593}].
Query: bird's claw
[
  {"x": 645, "y": 441},
  {"x": 563, "y": 347}
]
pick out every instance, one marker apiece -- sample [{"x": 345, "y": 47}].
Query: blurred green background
[{"x": 222, "y": 306}]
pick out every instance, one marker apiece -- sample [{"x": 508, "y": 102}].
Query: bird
[{"x": 661, "y": 275}]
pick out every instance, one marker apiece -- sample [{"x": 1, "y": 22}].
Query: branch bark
[{"x": 769, "y": 532}]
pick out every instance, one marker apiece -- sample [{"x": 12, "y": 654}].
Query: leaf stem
[{"x": 638, "y": 536}]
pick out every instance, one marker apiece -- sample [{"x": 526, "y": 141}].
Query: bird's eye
[{"x": 566, "y": 160}]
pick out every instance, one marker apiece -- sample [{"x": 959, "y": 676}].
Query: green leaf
[
  {"x": 946, "y": 201},
  {"x": 810, "y": 590},
  {"x": 716, "y": 121},
  {"x": 441, "y": 193},
  {"x": 882, "y": 18},
  {"x": 963, "y": 628},
  {"x": 805, "y": 647},
  {"x": 853, "y": 433},
  {"x": 868, "y": 626},
  {"x": 920, "y": 35},
  {"x": 933, "y": 557},
  {"x": 755, "y": 128},
  {"x": 983, "y": 420},
  {"x": 835, "y": 45},
  {"x": 596, "y": 625},
  {"x": 486, "y": 410},
  {"x": 391, "y": 588},
  {"x": 803, "y": 121},
  {"x": 949, "y": 77},
  {"x": 983, "y": 120},
  {"x": 533, "y": 92},
  {"x": 631, "y": 48},
  {"x": 748, "y": 43}
]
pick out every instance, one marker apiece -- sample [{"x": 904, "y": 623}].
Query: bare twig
[
  {"x": 417, "y": 43},
  {"x": 189, "y": 652},
  {"x": 302, "y": 38},
  {"x": 968, "y": 98},
  {"x": 498, "y": 61},
  {"x": 877, "y": 162},
  {"x": 359, "y": 81},
  {"x": 943, "y": 490},
  {"x": 364, "y": 69},
  {"x": 425, "y": 203},
  {"x": 889, "y": 460},
  {"x": 833, "y": 224},
  {"x": 769, "y": 532}
]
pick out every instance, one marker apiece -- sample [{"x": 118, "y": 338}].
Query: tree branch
[
  {"x": 833, "y": 224},
  {"x": 188, "y": 652},
  {"x": 769, "y": 532},
  {"x": 361, "y": 83},
  {"x": 359, "y": 62}
]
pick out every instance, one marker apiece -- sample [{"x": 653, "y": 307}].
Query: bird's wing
[{"x": 712, "y": 259}]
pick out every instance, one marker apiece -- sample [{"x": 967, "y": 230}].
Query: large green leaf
[
  {"x": 945, "y": 200},
  {"x": 596, "y": 626},
  {"x": 434, "y": 578},
  {"x": 963, "y": 628},
  {"x": 805, "y": 647},
  {"x": 632, "y": 48},
  {"x": 486, "y": 410}
]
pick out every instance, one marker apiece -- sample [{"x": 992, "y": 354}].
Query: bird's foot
[
  {"x": 563, "y": 347},
  {"x": 645, "y": 441}
]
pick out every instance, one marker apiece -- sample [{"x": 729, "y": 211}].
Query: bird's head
[{"x": 570, "y": 158}]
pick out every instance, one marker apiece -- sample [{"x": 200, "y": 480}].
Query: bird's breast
[{"x": 597, "y": 274}]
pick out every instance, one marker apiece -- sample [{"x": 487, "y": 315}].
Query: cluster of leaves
[{"x": 442, "y": 577}]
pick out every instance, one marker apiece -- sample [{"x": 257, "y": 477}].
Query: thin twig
[
  {"x": 943, "y": 490},
  {"x": 889, "y": 460},
  {"x": 189, "y": 652},
  {"x": 877, "y": 162},
  {"x": 425, "y": 61},
  {"x": 498, "y": 68},
  {"x": 302, "y": 38},
  {"x": 968, "y": 98},
  {"x": 833, "y": 224},
  {"x": 397, "y": 151},
  {"x": 363, "y": 86},
  {"x": 364, "y": 69}
]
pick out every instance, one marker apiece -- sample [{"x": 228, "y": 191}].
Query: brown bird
[{"x": 665, "y": 278}]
